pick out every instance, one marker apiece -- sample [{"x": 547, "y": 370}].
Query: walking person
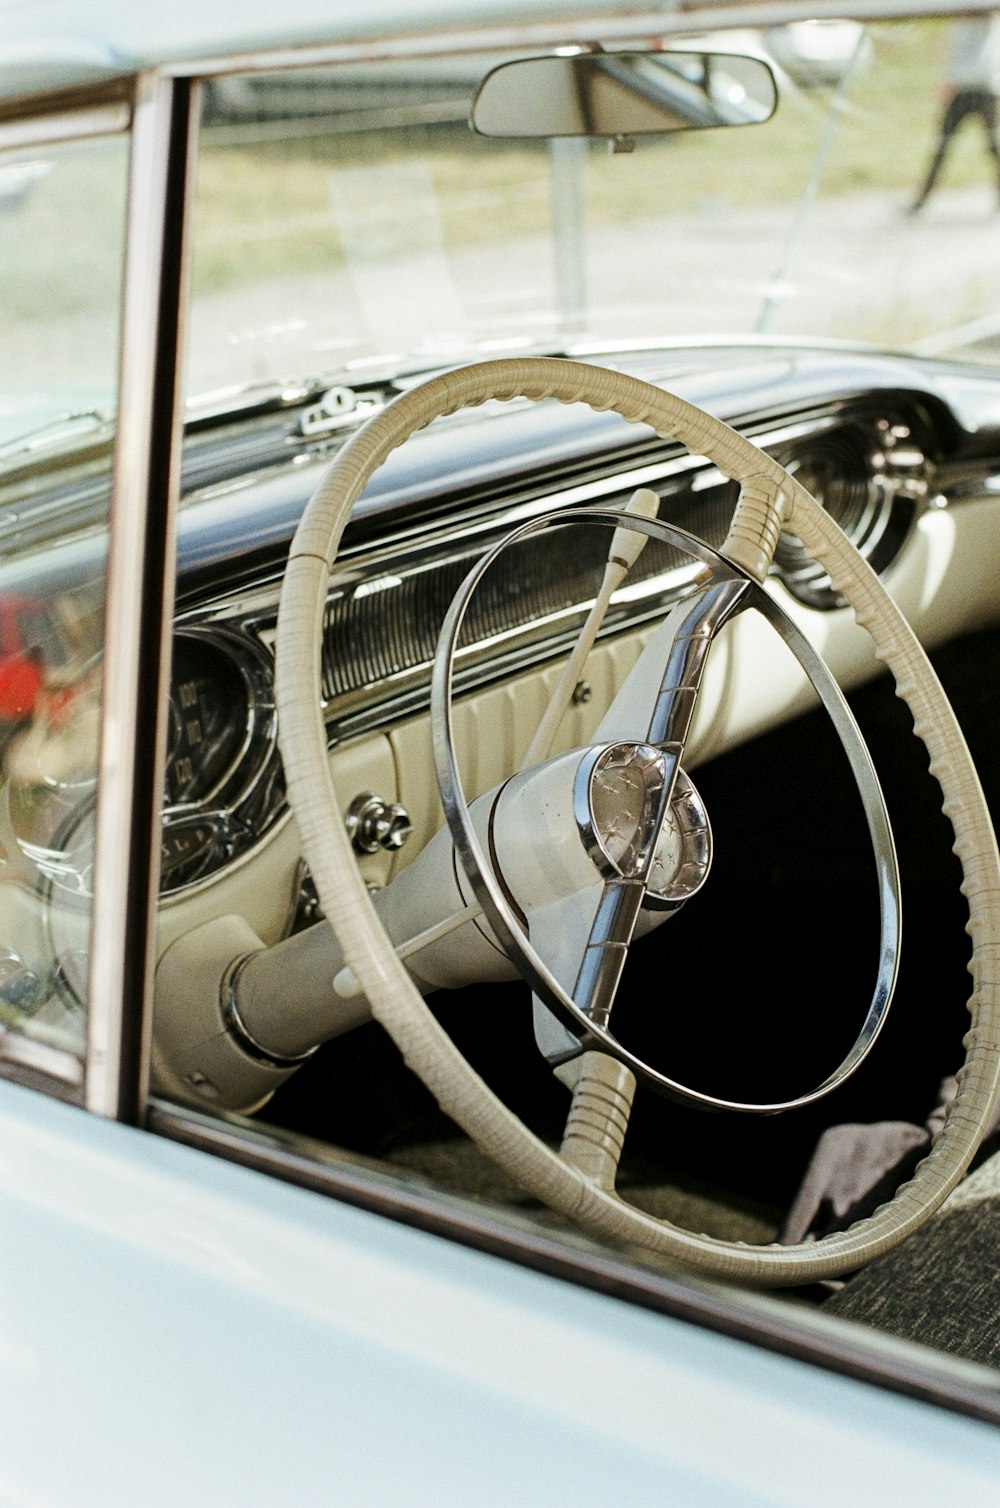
[{"x": 971, "y": 91}]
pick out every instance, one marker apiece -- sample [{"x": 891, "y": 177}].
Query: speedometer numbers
[
  {"x": 223, "y": 777},
  {"x": 209, "y": 718}
]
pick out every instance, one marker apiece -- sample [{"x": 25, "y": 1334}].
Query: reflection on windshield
[
  {"x": 62, "y": 217},
  {"x": 62, "y": 227},
  {"x": 337, "y": 229}
]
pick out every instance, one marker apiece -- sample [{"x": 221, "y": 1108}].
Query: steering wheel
[{"x": 578, "y": 1180}]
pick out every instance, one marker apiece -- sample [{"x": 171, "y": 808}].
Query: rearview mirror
[{"x": 623, "y": 94}]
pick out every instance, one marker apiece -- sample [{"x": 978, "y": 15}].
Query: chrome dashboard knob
[{"x": 374, "y": 823}]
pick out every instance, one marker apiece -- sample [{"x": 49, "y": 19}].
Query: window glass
[{"x": 62, "y": 225}]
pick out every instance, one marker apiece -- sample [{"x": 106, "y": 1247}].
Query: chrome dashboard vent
[
  {"x": 382, "y": 630},
  {"x": 871, "y": 477}
]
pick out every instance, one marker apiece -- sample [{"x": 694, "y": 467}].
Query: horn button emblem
[{"x": 619, "y": 792}]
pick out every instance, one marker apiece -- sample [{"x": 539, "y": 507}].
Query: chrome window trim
[
  {"x": 140, "y": 581},
  {"x": 610, "y": 25},
  {"x": 65, "y": 125},
  {"x": 516, "y": 35}
]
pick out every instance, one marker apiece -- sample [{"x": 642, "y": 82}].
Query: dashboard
[{"x": 880, "y": 457}]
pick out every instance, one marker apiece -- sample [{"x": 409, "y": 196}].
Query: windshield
[{"x": 349, "y": 222}]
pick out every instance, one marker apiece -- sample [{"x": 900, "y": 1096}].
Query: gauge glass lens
[{"x": 209, "y": 718}]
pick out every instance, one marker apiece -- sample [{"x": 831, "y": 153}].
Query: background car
[
  {"x": 450, "y": 946},
  {"x": 818, "y": 52}
]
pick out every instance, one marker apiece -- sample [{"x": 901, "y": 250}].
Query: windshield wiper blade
[
  {"x": 262, "y": 395},
  {"x": 73, "y": 425}
]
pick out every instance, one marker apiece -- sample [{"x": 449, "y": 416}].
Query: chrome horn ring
[{"x": 497, "y": 907}]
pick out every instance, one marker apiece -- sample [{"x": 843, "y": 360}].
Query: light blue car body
[{"x": 176, "y": 1329}]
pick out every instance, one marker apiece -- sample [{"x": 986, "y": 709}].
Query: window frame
[{"x": 142, "y": 548}]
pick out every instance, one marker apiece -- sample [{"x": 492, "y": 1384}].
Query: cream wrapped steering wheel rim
[{"x": 770, "y": 500}]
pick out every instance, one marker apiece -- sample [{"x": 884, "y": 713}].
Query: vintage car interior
[{"x": 564, "y": 840}]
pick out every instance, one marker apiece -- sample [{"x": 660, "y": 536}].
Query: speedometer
[
  {"x": 210, "y": 716},
  {"x": 223, "y": 784},
  {"x": 223, "y": 790}
]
